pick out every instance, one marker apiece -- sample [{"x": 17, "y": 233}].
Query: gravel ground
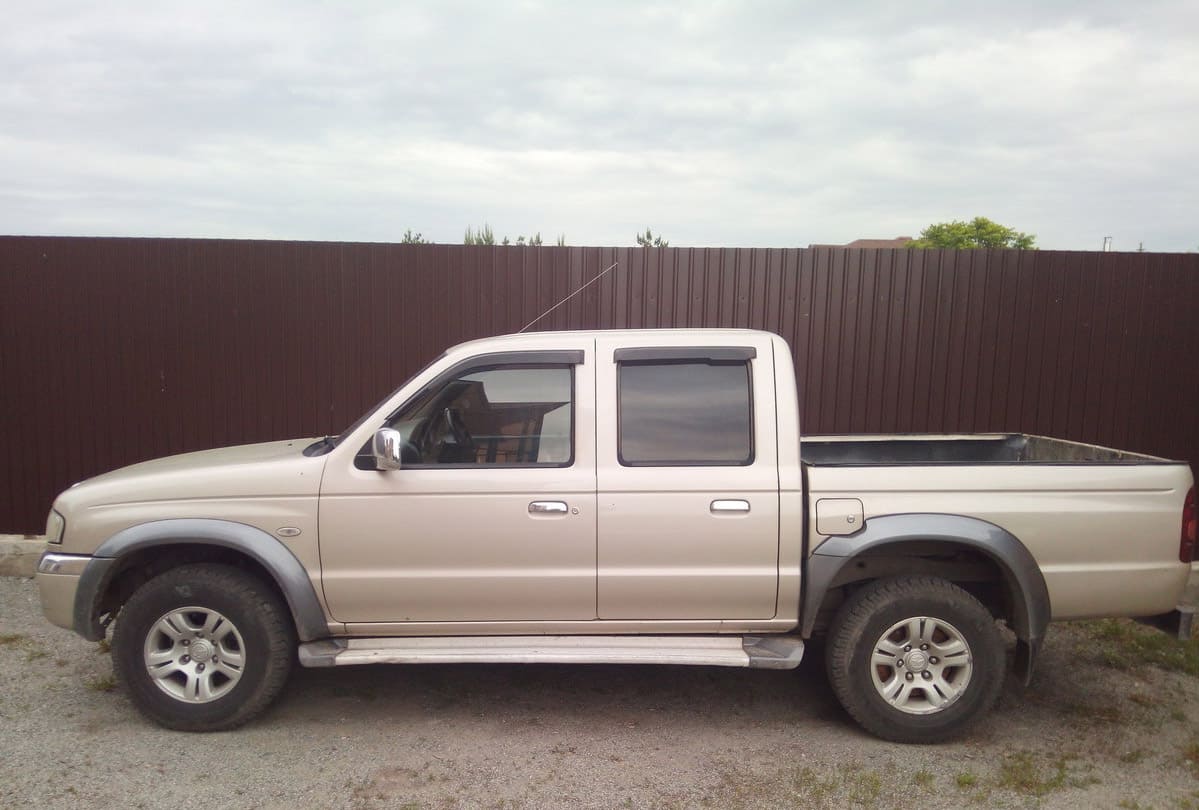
[{"x": 1095, "y": 729}]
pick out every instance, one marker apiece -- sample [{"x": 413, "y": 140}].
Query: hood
[{"x": 271, "y": 469}]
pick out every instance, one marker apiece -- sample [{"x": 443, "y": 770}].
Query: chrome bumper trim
[{"x": 69, "y": 564}]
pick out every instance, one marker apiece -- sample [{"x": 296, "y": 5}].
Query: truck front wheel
[
  {"x": 203, "y": 647},
  {"x": 915, "y": 659}
]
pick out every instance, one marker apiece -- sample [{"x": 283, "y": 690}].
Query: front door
[{"x": 492, "y": 517}]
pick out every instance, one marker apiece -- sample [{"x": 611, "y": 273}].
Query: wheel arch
[
  {"x": 165, "y": 543},
  {"x": 911, "y": 536}
]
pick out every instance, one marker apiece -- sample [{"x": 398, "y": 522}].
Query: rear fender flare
[{"x": 1022, "y": 576}]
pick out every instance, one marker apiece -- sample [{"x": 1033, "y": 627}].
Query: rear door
[{"x": 687, "y": 479}]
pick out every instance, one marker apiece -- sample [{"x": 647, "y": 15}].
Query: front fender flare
[
  {"x": 278, "y": 560},
  {"x": 1022, "y": 576}
]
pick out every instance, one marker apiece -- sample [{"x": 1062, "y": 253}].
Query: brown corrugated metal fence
[{"x": 118, "y": 350}]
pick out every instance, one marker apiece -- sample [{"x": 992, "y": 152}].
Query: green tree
[
  {"x": 648, "y": 239},
  {"x": 486, "y": 236},
  {"x": 482, "y": 236},
  {"x": 979, "y": 232},
  {"x": 411, "y": 238}
]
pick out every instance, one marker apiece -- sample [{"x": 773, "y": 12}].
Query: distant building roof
[{"x": 897, "y": 242}]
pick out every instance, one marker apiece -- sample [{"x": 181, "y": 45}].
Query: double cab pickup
[{"x": 637, "y": 496}]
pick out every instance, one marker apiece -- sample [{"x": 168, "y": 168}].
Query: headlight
[{"x": 55, "y": 524}]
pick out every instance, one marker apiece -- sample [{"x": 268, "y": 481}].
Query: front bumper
[{"x": 57, "y": 582}]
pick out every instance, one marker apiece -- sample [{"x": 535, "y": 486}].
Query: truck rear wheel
[
  {"x": 915, "y": 659},
  {"x": 203, "y": 647}
]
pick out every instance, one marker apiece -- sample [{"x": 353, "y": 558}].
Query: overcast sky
[{"x": 736, "y": 123}]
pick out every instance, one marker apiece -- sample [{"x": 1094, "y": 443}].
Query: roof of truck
[{"x": 628, "y": 334}]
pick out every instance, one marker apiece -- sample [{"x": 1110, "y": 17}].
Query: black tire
[
  {"x": 262, "y": 640},
  {"x": 972, "y": 683}
]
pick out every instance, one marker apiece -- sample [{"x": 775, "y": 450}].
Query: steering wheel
[{"x": 457, "y": 428}]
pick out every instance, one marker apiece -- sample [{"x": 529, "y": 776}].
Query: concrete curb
[{"x": 19, "y": 555}]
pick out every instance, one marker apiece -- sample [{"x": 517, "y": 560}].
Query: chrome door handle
[
  {"x": 552, "y": 507},
  {"x": 730, "y": 506}
]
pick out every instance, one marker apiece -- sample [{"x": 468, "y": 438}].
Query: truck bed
[
  {"x": 1102, "y": 524},
  {"x": 922, "y": 449}
]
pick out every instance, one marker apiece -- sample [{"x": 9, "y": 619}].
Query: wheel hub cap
[
  {"x": 194, "y": 654},
  {"x": 921, "y": 665}
]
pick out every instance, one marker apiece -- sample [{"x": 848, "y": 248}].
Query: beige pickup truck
[{"x": 627, "y": 496}]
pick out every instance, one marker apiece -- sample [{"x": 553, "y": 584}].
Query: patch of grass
[
  {"x": 809, "y": 786},
  {"x": 1124, "y": 644},
  {"x": 846, "y": 786},
  {"x": 1132, "y": 757},
  {"x": 20, "y": 641},
  {"x": 1132, "y": 804},
  {"x": 865, "y": 787},
  {"x": 1024, "y": 776},
  {"x": 103, "y": 683},
  {"x": 1021, "y": 773}
]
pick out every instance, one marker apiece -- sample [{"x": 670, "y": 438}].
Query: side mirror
[{"x": 387, "y": 448}]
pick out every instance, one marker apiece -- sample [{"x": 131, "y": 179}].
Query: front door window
[{"x": 512, "y": 416}]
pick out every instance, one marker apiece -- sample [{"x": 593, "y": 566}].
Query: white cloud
[{"x": 718, "y": 123}]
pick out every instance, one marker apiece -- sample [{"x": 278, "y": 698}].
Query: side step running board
[{"x": 759, "y": 652}]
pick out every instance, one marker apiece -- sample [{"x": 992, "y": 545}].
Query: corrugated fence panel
[{"x": 119, "y": 350}]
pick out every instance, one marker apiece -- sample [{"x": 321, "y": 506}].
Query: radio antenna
[{"x": 567, "y": 298}]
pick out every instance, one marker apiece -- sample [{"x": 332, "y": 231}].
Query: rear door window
[{"x": 685, "y": 413}]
